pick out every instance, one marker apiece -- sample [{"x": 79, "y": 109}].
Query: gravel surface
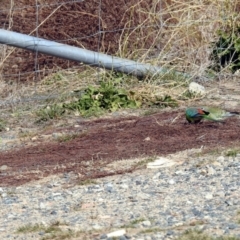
[{"x": 201, "y": 193}]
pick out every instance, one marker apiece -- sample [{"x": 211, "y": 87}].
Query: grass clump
[
  {"x": 133, "y": 223},
  {"x": 53, "y": 231},
  {"x": 66, "y": 137},
  {"x": 151, "y": 230},
  {"x": 231, "y": 153},
  {"x": 199, "y": 235},
  {"x": 31, "y": 228},
  {"x": 87, "y": 182},
  {"x": 50, "y": 112}
]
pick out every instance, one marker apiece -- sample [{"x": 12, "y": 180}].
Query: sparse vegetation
[
  {"x": 199, "y": 235},
  {"x": 50, "y": 112},
  {"x": 2, "y": 125},
  {"x": 54, "y": 231},
  {"x": 87, "y": 182},
  {"x": 151, "y": 230},
  {"x": 144, "y": 162},
  {"x": 133, "y": 223},
  {"x": 66, "y": 137},
  {"x": 31, "y": 228},
  {"x": 231, "y": 153}
]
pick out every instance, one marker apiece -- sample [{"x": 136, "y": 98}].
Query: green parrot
[
  {"x": 218, "y": 114},
  {"x": 195, "y": 115}
]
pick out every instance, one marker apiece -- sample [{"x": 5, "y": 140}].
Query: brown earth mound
[{"x": 106, "y": 140}]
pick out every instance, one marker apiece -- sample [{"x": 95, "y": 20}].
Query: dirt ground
[{"x": 100, "y": 142}]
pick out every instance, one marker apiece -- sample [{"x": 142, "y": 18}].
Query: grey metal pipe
[{"x": 78, "y": 54}]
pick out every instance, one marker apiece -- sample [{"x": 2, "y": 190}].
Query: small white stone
[
  {"x": 180, "y": 172},
  {"x": 211, "y": 171},
  {"x": 117, "y": 233},
  {"x": 125, "y": 186},
  {"x": 56, "y": 194},
  {"x": 4, "y": 195},
  {"x": 196, "y": 88},
  {"x": 171, "y": 181},
  {"x": 161, "y": 162},
  {"x": 3, "y": 168},
  {"x": 146, "y": 223},
  {"x": 209, "y": 196},
  {"x": 42, "y": 205},
  {"x": 97, "y": 227},
  {"x": 221, "y": 159}
]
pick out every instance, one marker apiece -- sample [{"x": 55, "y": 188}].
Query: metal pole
[{"x": 78, "y": 54}]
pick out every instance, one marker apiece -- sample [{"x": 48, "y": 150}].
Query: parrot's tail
[{"x": 235, "y": 113}]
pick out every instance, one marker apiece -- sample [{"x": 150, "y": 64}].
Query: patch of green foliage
[
  {"x": 231, "y": 153},
  {"x": 226, "y": 51},
  {"x": 113, "y": 93},
  {"x": 106, "y": 97}
]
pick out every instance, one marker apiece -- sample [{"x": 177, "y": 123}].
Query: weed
[
  {"x": 199, "y": 235},
  {"x": 87, "y": 182},
  {"x": 50, "y": 112},
  {"x": 2, "y": 125},
  {"x": 97, "y": 100},
  {"x": 31, "y": 228},
  {"x": 231, "y": 153},
  {"x": 166, "y": 101},
  {"x": 66, "y": 137},
  {"x": 133, "y": 223},
  {"x": 144, "y": 162},
  {"x": 151, "y": 230},
  {"x": 53, "y": 231},
  {"x": 189, "y": 95}
]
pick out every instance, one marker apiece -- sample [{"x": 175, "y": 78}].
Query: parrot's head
[{"x": 201, "y": 111}]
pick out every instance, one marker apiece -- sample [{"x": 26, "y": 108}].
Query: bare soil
[{"x": 103, "y": 141}]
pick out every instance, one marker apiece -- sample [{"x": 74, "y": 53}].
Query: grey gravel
[{"x": 148, "y": 204}]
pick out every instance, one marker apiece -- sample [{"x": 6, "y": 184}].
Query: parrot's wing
[{"x": 218, "y": 114}]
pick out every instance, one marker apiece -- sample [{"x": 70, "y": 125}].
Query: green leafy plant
[
  {"x": 226, "y": 51},
  {"x": 106, "y": 97}
]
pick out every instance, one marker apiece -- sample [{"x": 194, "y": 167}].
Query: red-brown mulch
[{"x": 107, "y": 140}]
